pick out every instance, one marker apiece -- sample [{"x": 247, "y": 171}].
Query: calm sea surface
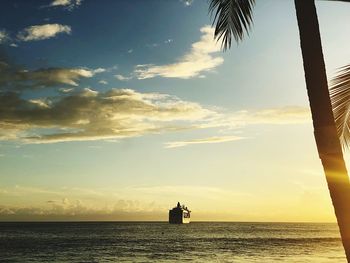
[{"x": 161, "y": 242}]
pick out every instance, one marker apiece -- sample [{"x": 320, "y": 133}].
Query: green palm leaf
[
  {"x": 233, "y": 18},
  {"x": 340, "y": 97}
]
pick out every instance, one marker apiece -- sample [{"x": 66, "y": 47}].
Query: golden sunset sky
[{"x": 112, "y": 110}]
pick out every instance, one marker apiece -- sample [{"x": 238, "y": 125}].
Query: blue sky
[{"x": 116, "y": 110}]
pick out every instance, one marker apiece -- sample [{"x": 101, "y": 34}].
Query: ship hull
[{"x": 179, "y": 215}]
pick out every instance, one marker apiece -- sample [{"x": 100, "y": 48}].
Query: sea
[{"x": 162, "y": 242}]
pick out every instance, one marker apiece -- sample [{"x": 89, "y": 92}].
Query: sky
[{"x": 117, "y": 110}]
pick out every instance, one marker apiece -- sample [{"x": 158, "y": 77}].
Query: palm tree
[
  {"x": 340, "y": 97},
  {"x": 233, "y": 18}
]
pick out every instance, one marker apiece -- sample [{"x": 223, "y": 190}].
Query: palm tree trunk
[{"x": 328, "y": 144}]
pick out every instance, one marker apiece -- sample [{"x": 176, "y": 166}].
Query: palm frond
[
  {"x": 340, "y": 97},
  {"x": 233, "y": 18}
]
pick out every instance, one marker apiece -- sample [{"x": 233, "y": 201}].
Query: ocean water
[{"x": 161, "y": 242}]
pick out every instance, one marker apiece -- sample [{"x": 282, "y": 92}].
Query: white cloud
[
  {"x": 66, "y": 90},
  {"x": 198, "y": 60},
  {"x": 60, "y": 3},
  {"x": 40, "y": 103},
  {"x": 3, "y": 36},
  {"x": 98, "y": 70},
  {"x": 187, "y": 2},
  {"x": 40, "y": 32},
  {"x": 209, "y": 140},
  {"x": 122, "y": 78},
  {"x": 103, "y": 82},
  {"x": 69, "y": 4},
  {"x": 13, "y": 45}
]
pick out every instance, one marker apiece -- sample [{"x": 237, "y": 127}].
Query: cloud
[
  {"x": 187, "y": 2},
  {"x": 273, "y": 116},
  {"x": 284, "y": 115},
  {"x": 122, "y": 209},
  {"x": 86, "y": 114},
  {"x": 241, "y": 119},
  {"x": 203, "y": 141},
  {"x": 155, "y": 45},
  {"x": 112, "y": 202},
  {"x": 66, "y": 90},
  {"x": 13, "y": 78},
  {"x": 69, "y": 4},
  {"x": 76, "y": 114},
  {"x": 103, "y": 82},
  {"x": 122, "y": 78},
  {"x": 197, "y": 61},
  {"x": 3, "y": 36},
  {"x": 40, "y": 32},
  {"x": 74, "y": 202},
  {"x": 91, "y": 115},
  {"x": 98, "y": 70}
]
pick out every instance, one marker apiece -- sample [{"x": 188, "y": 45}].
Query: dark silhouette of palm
[
  {"x": 233, "y": 19},
  {"x": 340, "y": 96}
]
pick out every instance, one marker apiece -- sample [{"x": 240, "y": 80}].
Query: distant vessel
[{"x": 179, "y": 215}]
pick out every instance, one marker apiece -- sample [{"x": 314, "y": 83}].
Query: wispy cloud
[
  {"x": 69, "y": 4},
  {"x": 104, "y": 82},
  {"x": 274, "y": 116},
  {"x": 198, "y": 60},
  {"x": 41, "y": 32},
  {"x": 156, "y": 45},
  {"x": 282, "y": 115},
  {"x": 3, "y": 36},
  {"x": 122, "y": 78},
  {"x": 209, "y": 140},
  {"x": 187, "y": 2},
  {"x": 239, "y": 120},
  {"x": 13, "y": 78},
  {"x": 98, "y": 70}
]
